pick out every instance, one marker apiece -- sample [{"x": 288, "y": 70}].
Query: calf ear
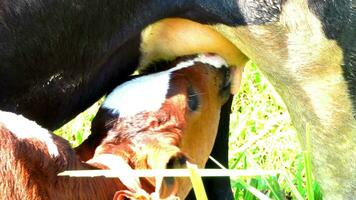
[
  {"x": 101, "y": 124},
  {"x": 104, "y": 120}
]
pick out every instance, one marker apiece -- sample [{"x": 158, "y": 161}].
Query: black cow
[{"x": 58, "y": 57}]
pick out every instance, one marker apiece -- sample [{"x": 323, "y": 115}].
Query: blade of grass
[
  {"x": 252, "y": 184},
  {"x": 272, "y": 184},
  {"x": 237, "y": 160},
  {"x": 298, "y": 177},
  {"x": 167, "y": 173},
  {"x": 294, "y": 190},
  {"x": 217, "y": 162},
  {"x": 307, "y": 163},
  {"x": 317, "y": 192},
  {"x": 254, "y": 191},
  {"x": 197, "y": 182}
]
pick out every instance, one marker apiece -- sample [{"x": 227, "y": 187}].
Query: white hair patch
[
  {"x": 24, "y": 128},
  {"x": 145, "y": 93},
  {"x": 211, "y": 59}
]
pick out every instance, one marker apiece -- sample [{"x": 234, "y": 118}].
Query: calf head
[{"x": 161, "y": 120}]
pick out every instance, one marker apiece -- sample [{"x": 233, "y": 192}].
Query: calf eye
[{"x": 193, "y": 99}]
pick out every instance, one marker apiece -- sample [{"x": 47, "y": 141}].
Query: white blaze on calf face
[
  {"x": 23, "y": 128},
  {"x": 137, "y": 95},
  {"x": 148, "y": 93}
]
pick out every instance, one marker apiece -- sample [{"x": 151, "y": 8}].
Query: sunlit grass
[
  {"x": 78, "y": 129},
  {"x": 262, "y": 137}
]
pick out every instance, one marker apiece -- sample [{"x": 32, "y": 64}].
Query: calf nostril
[
  {"x": 177, "y": 161},
  {"x": 169, "y": 184},
  {"x": 169, "y": 187}
]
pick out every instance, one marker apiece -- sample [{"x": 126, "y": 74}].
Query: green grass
[
  {"x": 78, "y": 129},
  {"x": 261, "y": 137}
]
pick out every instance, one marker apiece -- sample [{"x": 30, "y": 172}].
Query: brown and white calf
[
  {"x": 31, "y": 158},
  {"x": 160, "y": 120},
  {"x": 156, "y": 121}
]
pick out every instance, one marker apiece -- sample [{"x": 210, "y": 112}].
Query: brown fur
[{"x": 27, "y": 171}]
